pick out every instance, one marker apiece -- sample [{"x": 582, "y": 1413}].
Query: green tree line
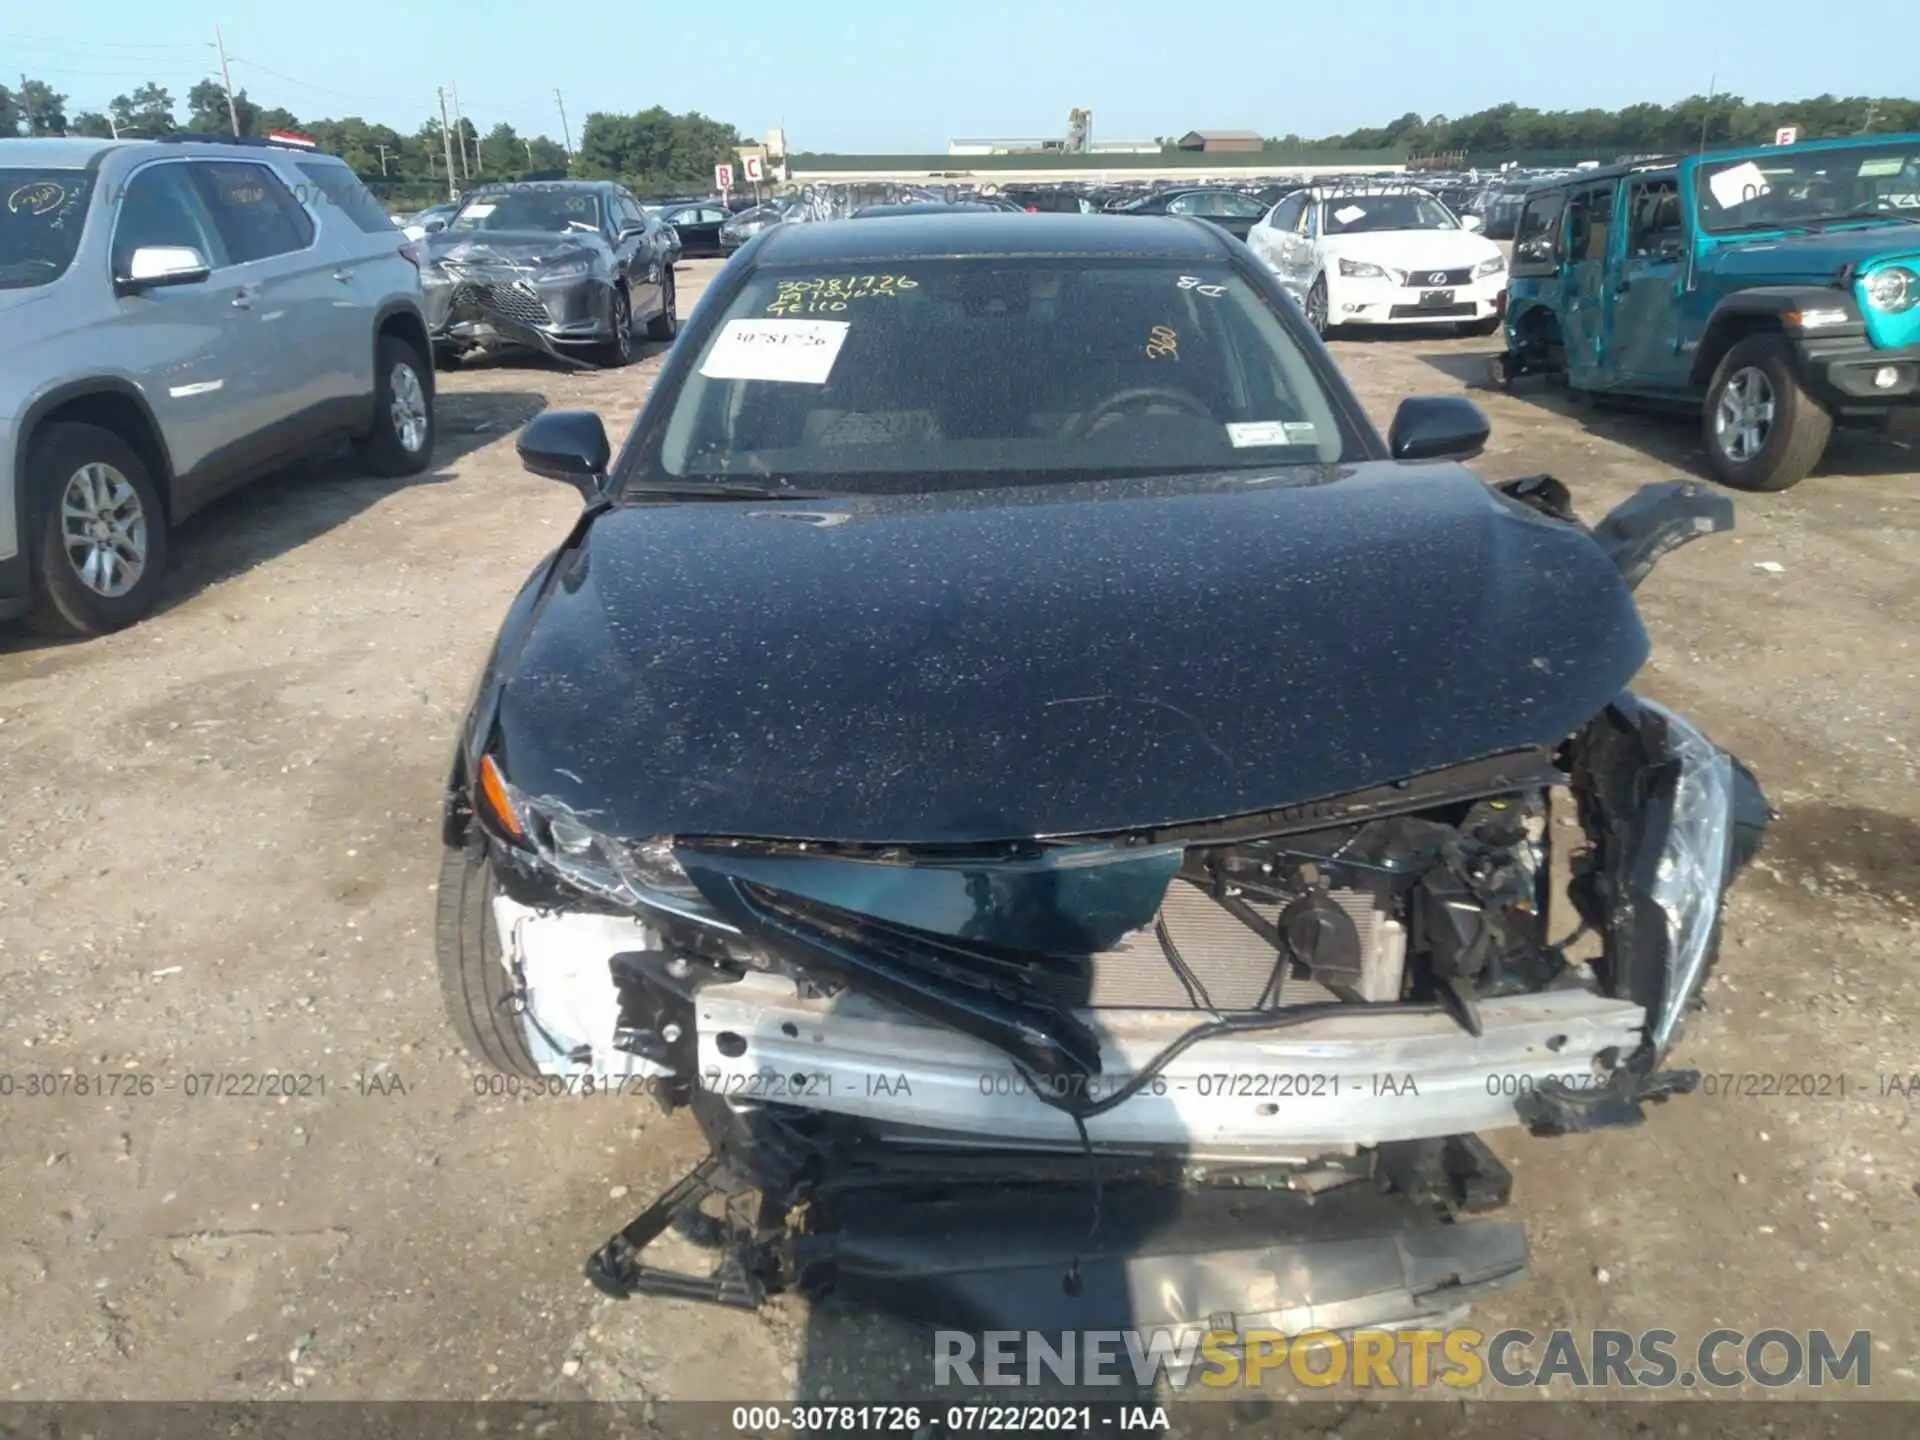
[
  {"x": 1720, "y": 120},
  {"x": 654, "y": 150}
]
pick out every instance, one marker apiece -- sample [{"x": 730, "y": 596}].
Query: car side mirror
[
  {"x": 1470, "y": 222},
  {"x": 151, "y": 267},
  {"x": 434, "y": 227},
  {"x": 1438, "y": 427},
  {"x": 569, "y": 445}
]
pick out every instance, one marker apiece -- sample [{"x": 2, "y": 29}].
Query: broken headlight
[
  {"x": 1694, "y": 864},
  {"x": 632, "y": 873},
  {"x": 573, "y": 267},
  {"x": 1493, "y": 265}
]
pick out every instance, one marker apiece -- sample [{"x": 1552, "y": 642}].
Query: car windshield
[
  {"x": 40, "y": 224},
  {"x": 929, "y": 374},
  {"x": 1359, "y": 214},
  {"x": 1789, "y": 187},
  {"x": 555, "y": 210}
]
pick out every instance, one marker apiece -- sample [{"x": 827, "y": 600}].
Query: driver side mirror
[
  {"x": 569, "y": 445},
  {"x": 434, "y": 227},
  {"x": 1438, "y": 427},
  {"x": 152, "y": 266},
  {"x": 1470, "y": 222}
]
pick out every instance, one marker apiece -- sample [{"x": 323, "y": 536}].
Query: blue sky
[{"x": 868, "y": 75}]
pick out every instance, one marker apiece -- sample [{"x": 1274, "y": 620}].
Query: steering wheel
[{"x": 1138, "y": 398}]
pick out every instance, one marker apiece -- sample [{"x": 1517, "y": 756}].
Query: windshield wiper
[
  {"x": 723, "y": 490},
  {"x": 1868, "y": 215}
]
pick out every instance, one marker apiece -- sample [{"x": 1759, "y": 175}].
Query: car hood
[
  {"x": 1415, "y": 249},
  {"x": 1815, "y": 258},
  {"x": 513, "y": 247},
  {"x": 1074, "y": 659}
]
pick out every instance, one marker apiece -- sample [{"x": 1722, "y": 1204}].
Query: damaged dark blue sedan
[{"x": 1093, "y": 831}]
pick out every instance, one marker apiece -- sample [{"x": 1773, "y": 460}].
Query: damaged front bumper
[{"x": 475, "y": 305}]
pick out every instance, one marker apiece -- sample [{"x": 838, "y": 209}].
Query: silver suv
[{"x": 180, "y": 317}]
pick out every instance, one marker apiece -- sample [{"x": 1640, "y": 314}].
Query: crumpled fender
[{"x": 1641, "y": 530}]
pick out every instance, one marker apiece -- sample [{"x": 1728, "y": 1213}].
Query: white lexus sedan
[{"x": 1382, "y": 254}]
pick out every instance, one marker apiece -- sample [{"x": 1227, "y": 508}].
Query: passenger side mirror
[
  {"x": 434, "y": 227},
  {"x": 569, "y": 445},
  {"x": 1438, "y": 427},
  {"x": 1470, "y": 222},
  {"x": 152, "y": 266}
]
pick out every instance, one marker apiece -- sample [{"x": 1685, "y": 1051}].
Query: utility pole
[
  {"x": 446, "y": 138},
  {"x": 226, "y": 81},
  {"x": 566, "y": 134},
  {"x": 461, "y": 126},
  {"x": 529, "y": 145},
  {"x": 383, "y": 160}
]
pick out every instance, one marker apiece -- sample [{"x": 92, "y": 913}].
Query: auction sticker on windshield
[
  {"x": 798, "y": 352},
  {"x": 1742, "y": 182},
  {"x": 1347, "y": 214}
]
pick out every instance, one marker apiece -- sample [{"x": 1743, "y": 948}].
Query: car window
[
  {"x": 930, "y": 373},
  {"x": 340, "y": 188},
  {"x": 256, "y": 214},
  {"x": 1590, "y": 222},
  {"x": 1364, "y": 214},
  {"x": 1243, "y": 207},
  {"x": 530, "y": 209},
  {"x": 161, "y": 206},
  {"x": 1185, "y": 205},
  {"x": 1791, "y": 186},
  {"x": 1654, "y": 226},
  {"x": 1286, "y": 214},
  {"x": 1534, "y": 233},
  {"x": 40, "y": 223}
]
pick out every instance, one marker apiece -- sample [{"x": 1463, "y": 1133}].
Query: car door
[
  {"x": 1273, "y": 238},
  {"x": 184, "y": 345},
  {"x": 1308, "y": 244},
  {"x": 1645, "y": 340},
  {"x": 1587, "y": 237},
  {"x": 296, "y": 344},
  {"x": 1236, "y": 214}
]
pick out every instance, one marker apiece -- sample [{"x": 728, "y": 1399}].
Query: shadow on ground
[
  {"x": 1671, "y": 436},
  {"x": 286, "y": 508}
]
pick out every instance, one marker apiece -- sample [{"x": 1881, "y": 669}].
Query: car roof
[
  {"x": 993, "y": 232},
  {"x": 56, "y": 152},
  {"x": 925, "y": 207},
  {"x": 502, "y": 187}
]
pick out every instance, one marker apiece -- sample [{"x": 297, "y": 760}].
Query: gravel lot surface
[{"x": 217, "y": 854}]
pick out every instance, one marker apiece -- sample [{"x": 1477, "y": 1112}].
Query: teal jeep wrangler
[{"x": 1776, "y": 289}]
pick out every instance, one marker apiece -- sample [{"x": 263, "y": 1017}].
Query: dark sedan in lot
[
  {"x": 1232, "y": 211},
  {"x": 699, "y": 227},
  {"x": 566, "y": 266},
  {"x": 1005, "y": 660}
]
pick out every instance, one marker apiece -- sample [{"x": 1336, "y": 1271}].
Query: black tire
[
  {"x": 1316, "y": 310},
  {"x": 384, "y": 449},
  {"x": 1796, "y": 435},
  {"x": 666, "y": 324},
  {"x": 618, "y": 351},
  {"x": 473, "y": 981},
  {"x": 64, "y": 604}
]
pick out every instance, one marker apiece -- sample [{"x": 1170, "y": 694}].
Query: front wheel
[
  {"x": 100, "y": 532},
  {"x": 666, "y": 324},
  {"x": 479, "y": 990},
  {"x": 1763, "y": 431},
  {"x": 618, "y": 350},
  {"x": 1317, "y": 306}
]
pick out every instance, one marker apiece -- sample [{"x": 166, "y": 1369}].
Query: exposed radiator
[{"x": 1228, "y": 959}]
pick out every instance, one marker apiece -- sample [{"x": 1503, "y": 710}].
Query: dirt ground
[{"x": 217, "y": 855}]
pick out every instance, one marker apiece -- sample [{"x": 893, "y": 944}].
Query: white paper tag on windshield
[
  {"x": 1742, "y": 182},
  {"x": 1347, "y": 214},
  {"x": 798, "y": 352},
  {"x": 479, "y": 210},
  {"x": 1256, "y": 432},
  {"x": 1875, "y": 169}
]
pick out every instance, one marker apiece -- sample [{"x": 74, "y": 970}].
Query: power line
[{"x": 90, "y": 45}]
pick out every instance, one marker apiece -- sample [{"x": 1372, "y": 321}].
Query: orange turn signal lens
[{"x": 493, "y": 789}]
